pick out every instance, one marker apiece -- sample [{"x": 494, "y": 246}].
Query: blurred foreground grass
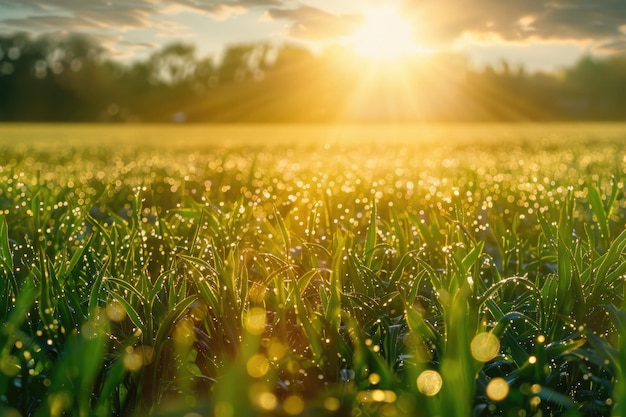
[{"x": 312, "y": 270}]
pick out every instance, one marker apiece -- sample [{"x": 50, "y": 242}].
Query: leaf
[
  {"x": 166, "y": 327},
  {"x": 77, "y": 256},
  {"x": 129, "y": 288},
  {"x": 555, "y": 397},
  {"x": 283, "y": 231},
  {"x": 619, "y": 318},
  {"x": 609, "y": 261},
  {"x": 314, "y": 339},
  {"x": 304, "y": 281},
  {"x": 511, "y": 280},
  {"x": 563, "y": 347},
  {"x": 597, "y": 206},
  {"x": 132, "y": 314},
  {"x": 6, "y": 259},
  {"x": 612, "y": 256},
  {"x": 23, "y": 304},
  {"x": 8, "y": 284},
  {"x": 107, "y": 236},
  {"x": 113, "y": 377},
  {"x": 505, "y": 321},
  {"x": 370, "y": 241},
  {"x": 368, "y": 280},
  {"x": 470, "y": 259},
  {"x": 94, "y": 294},
  {"x": 424, "y": 330},
  {"x": 333, "y": 307},
  {"x": 398, "y": 271}
]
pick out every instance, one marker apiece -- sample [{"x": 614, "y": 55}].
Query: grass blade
[{"x": 370, "y": 241}]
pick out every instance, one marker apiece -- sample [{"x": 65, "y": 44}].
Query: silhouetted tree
[{"x": 70, "y": 78}]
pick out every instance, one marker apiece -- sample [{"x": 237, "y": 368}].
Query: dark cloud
[
  {"x": 76, "y": 5},
  {"x": 117, "y": 20},
  {"x": 617, "y": 46},
  {"x": 316, "y": 24},
  {"x": 107, "y": 19},
  {"x": 213, "y": 5},
  {"x": 219, "y": 9},
  {"x": 440, "y": 22},
  {"x": 519, "y": 20},
  {"x": 578, "y": 19},
  {"x": 601, "y": 23},
  {"x": 118, "y": 15},
  {"x": 47, "y": 23}
]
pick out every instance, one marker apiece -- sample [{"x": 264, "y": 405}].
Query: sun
[{"x": 385, "y": 34}]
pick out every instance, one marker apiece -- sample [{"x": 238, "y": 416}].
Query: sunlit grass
[{"x": 229, "y": 271}]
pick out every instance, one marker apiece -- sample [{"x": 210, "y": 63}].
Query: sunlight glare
[{"x": 385, "y": 34}]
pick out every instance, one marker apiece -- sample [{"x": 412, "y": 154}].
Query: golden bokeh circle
[
  {"x": 115, "y": 311},
  {"x": 497, "y": 389},
  {"x": 429, "y": 383},
  {"x": 485, "y": 346}
]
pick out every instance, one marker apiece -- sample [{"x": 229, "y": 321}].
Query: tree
[{"x": 173, "y": 65}]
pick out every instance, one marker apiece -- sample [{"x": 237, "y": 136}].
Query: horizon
[
  {"x": 536, "y": 35},
  {"x": 283, "y": 61}
]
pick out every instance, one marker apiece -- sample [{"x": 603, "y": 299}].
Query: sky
[{"x": 539, "y": 34}]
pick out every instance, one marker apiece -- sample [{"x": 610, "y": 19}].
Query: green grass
[{"x": 309, "y": 270}]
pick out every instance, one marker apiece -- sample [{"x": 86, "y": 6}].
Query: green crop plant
[{"x": 443, "y": 277}]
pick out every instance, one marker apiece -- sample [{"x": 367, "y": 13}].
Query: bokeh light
[
  {"x": 485, "y": 346},
  {"x": 257, "y": 366},
  {"x": 184, "y": 332},
  {"x": 293, "y": 405},
  {"x": 115, "y": 311},
  {"x": 9, "y": 412},
  {"x": 374, "y": 378},
  {"x": 135, "y": 358},
  {"x": 497, "y": 389},
  {"x": 224, "y": 409},
  {"x": 10, "y": 365},
  {"x": 429, "y": 383},
  {"x": 332, "y": 404},
  {"x": 256, "y": 320}
]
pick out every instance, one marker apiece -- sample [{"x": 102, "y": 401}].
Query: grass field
[{"x": 231, "y": 271}]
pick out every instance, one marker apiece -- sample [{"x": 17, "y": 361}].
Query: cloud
[
  {"x": 601, "y": 24},
  {"x": 75, "y": 15},
  {"x": 440, "y": 20},
  {"x": 575, "y": 20},
  {"x": 117, "y": 15},
  {"x": 47, "y": 23},
  {"x": 439, "y": 23},
  {"x": 218, "y": 10},
  {"x": 103, "y": 17},
  {"x": 315, "y": 24},
  {"x": 617, "y": 46}
]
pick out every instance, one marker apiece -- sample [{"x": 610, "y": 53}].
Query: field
[{"x": 230, "y": 271}]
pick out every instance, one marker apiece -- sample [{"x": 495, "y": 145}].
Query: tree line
[{"x": 72, "y": 79}]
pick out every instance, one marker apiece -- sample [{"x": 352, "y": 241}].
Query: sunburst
[{"x": 385, "y": 34}]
